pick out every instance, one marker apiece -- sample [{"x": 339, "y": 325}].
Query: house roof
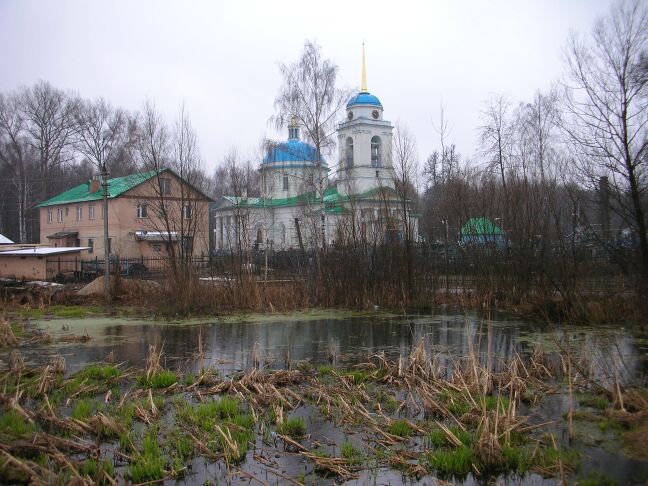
[
  {"x": 44, "y": 250},
  {"x": 116, "y": 187}
]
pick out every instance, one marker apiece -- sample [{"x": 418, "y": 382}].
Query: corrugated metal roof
[
  {"x": 332, "y": 199},
  {"x": 116, "y": 187},
  {"x": 44, "y": 250}
]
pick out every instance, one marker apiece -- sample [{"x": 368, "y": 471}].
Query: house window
[
  {"x": 186, "y": 211},
  {"x": 142, "y": 210},
  {"x": 77, "y": 242},
  {"x": 79, "y": 213},
  {"x": 375, "y": 152},
  {"x": 91, "y": 245},
  {"x": 156, "y": 247},
  {"x": 59, "y": 215},
  {"x": 49, "y": 215},
  {"x": 165, "y": 187},
  {"x": 285, "y": 182},
  {"x": 91, "y": 211},
  {"x": 349, "y": 152}
]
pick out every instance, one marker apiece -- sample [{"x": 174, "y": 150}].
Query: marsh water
[{"x": 232, "y": 345}]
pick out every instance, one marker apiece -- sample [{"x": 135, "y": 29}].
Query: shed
[
  {"x": 482, "y": 232},
  {"x": 32, "y": 263}
]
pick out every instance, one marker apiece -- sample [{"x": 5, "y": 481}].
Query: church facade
[{"x": 302, "y": 203}]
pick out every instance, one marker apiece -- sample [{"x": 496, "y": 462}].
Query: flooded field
[{"x": 324, "y": 398}]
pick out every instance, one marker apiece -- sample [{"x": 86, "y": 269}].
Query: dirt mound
[{"x": 96, "y": 287}]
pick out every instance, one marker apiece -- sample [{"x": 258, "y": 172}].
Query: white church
[{"x": 359, "y": 203}]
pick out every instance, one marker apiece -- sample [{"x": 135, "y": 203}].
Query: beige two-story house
[{"x": 149, "y": 214}]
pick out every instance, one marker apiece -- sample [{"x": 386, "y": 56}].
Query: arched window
[
  {"x": 285, "y": 182},
  {"x": 376, "y": 156},
  {"x": 349, "y": 152}
]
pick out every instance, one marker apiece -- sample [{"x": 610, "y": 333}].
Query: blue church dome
[
  {"x": 293, "y": 150},
  {"x": 364, "y": 98}
]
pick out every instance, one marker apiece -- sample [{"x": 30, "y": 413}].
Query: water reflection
[{"x": 228, "y": 346}]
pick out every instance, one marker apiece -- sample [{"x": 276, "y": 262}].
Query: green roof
[
  {"x": 480, "y": 226},
  {"x": 332, "y": 199},
  {"x": 116, "y": 187}
]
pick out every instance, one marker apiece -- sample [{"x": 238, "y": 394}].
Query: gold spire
[{"x": 363, "y": 88}]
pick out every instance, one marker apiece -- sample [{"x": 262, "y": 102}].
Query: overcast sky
[{"x": 220, "y": 58}]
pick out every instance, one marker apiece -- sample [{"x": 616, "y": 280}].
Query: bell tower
[{"x": 365, "y": 144}]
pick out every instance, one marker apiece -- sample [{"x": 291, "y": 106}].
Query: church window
[
  {"x": 282, "y": 229},
  {"x": 349, "y": 152},
  {"x": 285, "y": 182},
  {"x": 375, "y": 152}
]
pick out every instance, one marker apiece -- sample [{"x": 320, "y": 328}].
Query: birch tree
[{"x": 309, "y": 95}]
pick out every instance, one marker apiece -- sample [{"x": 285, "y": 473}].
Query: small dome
[
  {"x": 364, "y": 98},
  {"x": 292, "y": 151}
]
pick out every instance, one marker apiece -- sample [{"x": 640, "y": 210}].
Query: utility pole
[{"x": 104, "y": 184}]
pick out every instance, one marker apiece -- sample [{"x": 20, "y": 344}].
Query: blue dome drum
[
  {"x": 364, "y": 98},
  {"x": 293, "y": 150}
]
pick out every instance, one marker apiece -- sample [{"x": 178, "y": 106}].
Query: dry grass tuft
[{"x": 7, "y": 336}]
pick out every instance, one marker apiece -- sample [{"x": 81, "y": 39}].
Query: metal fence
[{"x": 431, "y": 267}]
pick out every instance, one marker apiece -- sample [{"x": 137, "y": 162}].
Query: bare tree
[
  {"x": 496, "y": 135},
  {"x": 49, "y": 116},
  {"x": 14, "y": 154},
  {"x": 98, "y": 128},
  {"x": 309, "y": 95},
  {"x": 176, "y": 211},
  {"x": 405, "y": 163},
  {"x": 606, "y": 103}
]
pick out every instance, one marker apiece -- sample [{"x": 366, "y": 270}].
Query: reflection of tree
[{"x": 227, "y": 347}]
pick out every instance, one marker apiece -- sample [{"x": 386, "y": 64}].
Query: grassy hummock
[{"x": 116, "y": 424}]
